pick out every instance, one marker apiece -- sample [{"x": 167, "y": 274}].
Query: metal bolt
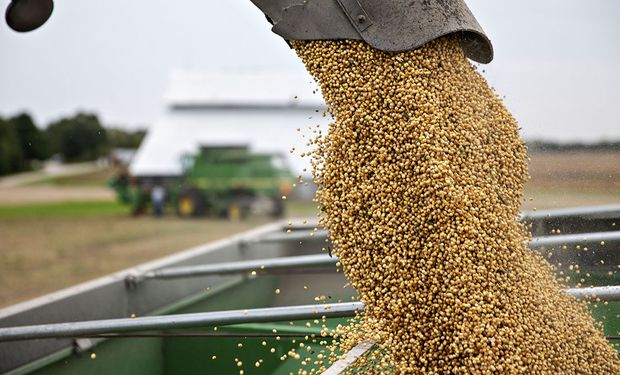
[{"x": 132, "y": 281}]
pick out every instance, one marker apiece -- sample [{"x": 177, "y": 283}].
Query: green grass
[
  {"x": 62, "y": 209},
  {"x": 104, "y": 208}
]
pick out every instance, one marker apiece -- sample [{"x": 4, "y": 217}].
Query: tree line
[
  {"x": 81, "y": 137},
  {"x": 544, "y": 146}
]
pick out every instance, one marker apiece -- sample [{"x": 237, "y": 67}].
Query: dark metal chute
[{"x": 388, "y": 25}]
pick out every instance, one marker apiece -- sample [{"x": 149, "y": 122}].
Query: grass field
[
  {"x": 56, "y": 210},
  {"x": 68, "y": 230}
]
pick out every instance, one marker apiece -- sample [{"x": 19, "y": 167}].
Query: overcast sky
[{"x": 557, "y": 62}]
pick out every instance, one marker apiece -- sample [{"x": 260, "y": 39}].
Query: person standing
[{"x": 158, "y": 195}]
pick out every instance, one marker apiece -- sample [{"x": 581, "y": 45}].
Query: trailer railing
[
  {"x": 178, "y": 281},
  {"x": 314, "y": 263},
  {"x": 224, "y": 318}
]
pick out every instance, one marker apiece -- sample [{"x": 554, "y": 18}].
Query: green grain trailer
[{"x": 213, "y": 309}]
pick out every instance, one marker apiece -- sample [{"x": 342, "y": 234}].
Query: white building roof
[
  {"x": 210, "y": 108},
  {"x": 243, "y": 88}
]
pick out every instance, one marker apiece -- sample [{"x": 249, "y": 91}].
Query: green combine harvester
[{"x": 224, "y": 181}]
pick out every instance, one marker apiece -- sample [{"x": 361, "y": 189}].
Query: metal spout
[{"x": 387, "y": 25}]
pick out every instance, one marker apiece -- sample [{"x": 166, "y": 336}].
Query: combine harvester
[
  {"x": 174, "y": 315},
  {"x": 226, "y": 181}
]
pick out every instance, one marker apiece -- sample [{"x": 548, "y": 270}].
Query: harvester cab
[{"x": 387, "y": 25}]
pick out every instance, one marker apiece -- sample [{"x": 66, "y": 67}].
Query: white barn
[{"x": 262, "y": 109}]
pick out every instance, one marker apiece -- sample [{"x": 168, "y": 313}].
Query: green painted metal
[
  {"x": 131, "y": 356},
  {"x": 607, "y": 313},
  {"x": 195, "y": 356},
  {"x": 218, "y": 178},
  {"x": 221, "y": 169},
  {"x": 177, "y": 355}
]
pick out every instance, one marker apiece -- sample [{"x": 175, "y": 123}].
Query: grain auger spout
[{"x": 387, "y": 25}]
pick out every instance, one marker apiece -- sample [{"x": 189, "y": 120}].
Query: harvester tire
[
  {"x": 190, "y": 204},
  {"x": 278, "y": 208},
  {"x": 234, "y": 212},
  {"x": 238, "y": 210}
]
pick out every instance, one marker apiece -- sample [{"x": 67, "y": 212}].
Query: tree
[
  {"x": 119, "y": 138},
  {"x": 30, "y": 138},
  {"x": 78, "y": 138},
  {"x": 11, "y": 156}
]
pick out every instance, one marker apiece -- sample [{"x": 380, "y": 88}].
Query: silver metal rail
[
  {"x": 588, "y": 211},
  {"x": 260, "y": 266},
  {"x": 353, "y": 355},
  {"x": 223, "y": 318},
  {"x": 600, "y": 211},
  {"x": 602, "y": 293},
  {"x": 575, "y": 239},
  {"x": 536, "y": 241},
  {"x": 298, "y": 235},
  {"x": 207, "y": 319},
  {"x": 313, "y": 262},
  {"x": 302, "y": 232}
]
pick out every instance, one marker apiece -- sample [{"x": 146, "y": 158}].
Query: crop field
[
  {"x": 565, "y": 179},
  {"x": 56, "y": 233},
  {"x": 74, "y": 243},
  {"x": 48, "y": 246}
]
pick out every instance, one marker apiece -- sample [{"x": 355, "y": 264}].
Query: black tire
[{"x": 278, "y": 208}]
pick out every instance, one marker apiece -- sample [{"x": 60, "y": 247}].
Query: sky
[{"x": 557, "y": 62}]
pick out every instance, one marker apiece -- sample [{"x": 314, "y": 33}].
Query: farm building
[{"x": 261, "y": 109}]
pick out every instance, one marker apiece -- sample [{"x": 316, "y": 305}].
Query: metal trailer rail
[
  {"x": 605, "y": 211},
  {"x": 598, "y": 293},
  {"x": 294, "y": 236},
  {"x": 223, "y": 318},
  {"x": 611, "y": 211},
  {"x": 260, "y": 266},
  {"x": 584, "y": 239},
  {"x": 352, "y": 356},
  {"x": 574, "y": 220},
  {"x": 540, "y": 240},
  {"x": 596, "y": 218},
  {"x": 207, "y": 319},
  {"x": 312, "y": 263}
]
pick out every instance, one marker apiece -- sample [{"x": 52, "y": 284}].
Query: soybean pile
[{"x": 420, "y": 179}]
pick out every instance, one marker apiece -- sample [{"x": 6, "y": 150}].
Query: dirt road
[{"x": 50, "y": 194}]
